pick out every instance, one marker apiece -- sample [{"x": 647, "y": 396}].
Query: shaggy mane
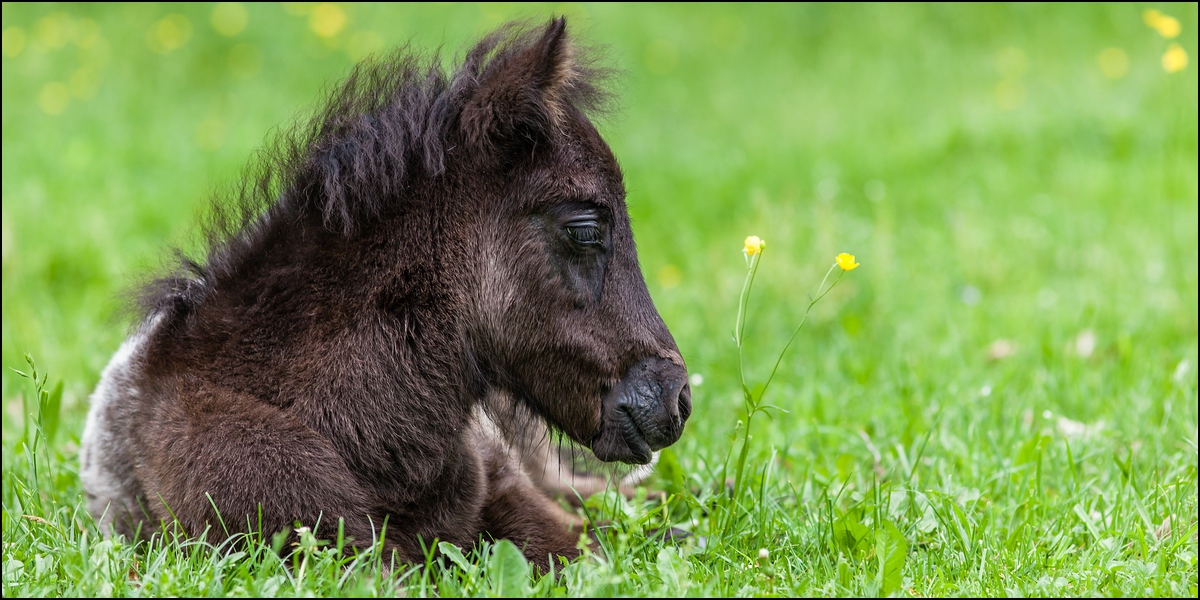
[{"x": 389, "y": 121}]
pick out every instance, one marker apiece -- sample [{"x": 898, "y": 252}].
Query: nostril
[{"x": 685, "y": 402}]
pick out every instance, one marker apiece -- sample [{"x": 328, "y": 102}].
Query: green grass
[{"x": 999, "y": 190}]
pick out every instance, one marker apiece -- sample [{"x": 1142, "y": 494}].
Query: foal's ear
[{"x": 519, "y": 93}]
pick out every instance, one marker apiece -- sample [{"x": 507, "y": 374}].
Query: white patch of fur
[
  {"x": 641, "y": 472},
  {"x": 486, "y": 426},
  {"x": 528, "y": 441},
  {"x": 496, "y": 296},
  {"x": 101, "y": 448}
]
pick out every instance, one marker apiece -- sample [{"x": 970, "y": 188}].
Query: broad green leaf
[
  {"x": 891, "y": 549},
  {"x": 508, "y": 571},
  {"x": 851, "y": 532},
  {"x": 455, "y": 555},
  {"x": 672, "y": 570}
]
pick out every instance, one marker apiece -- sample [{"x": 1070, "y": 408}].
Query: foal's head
[
  {"x": 560, "y": 317},
  {"x": 485, "y": 211}
]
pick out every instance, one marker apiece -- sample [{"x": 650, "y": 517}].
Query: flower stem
[
  {"x": 752, "y": 403},
  {"x": 802, "y": 322},
  {"x": 739, "y": 327}
]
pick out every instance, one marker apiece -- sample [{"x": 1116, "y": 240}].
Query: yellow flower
[
  {"x": 1166, "y": 25},
  {"x": 754, "y": 245},
  {"x": 1175, "y": 59},
  {"x": 846, "y": 262}
]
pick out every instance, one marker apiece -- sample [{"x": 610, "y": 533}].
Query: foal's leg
[
  {"x": 514, "y": 507},
  {"x": 516, "y": 510},
  {"x": 215, "y": 452}
]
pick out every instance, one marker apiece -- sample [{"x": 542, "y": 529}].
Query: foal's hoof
[{"x": 669, "y": 534}]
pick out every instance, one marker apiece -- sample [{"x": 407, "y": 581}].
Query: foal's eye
[{"x": 585, "y": 232}]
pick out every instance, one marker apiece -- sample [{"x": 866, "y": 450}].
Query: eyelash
[{"x": 586, "y": 232}]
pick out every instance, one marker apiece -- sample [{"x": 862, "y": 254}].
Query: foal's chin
[{"x": 615, "y": 444}]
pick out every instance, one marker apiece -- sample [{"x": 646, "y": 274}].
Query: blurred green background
[{"x": 1018, "y": 182}]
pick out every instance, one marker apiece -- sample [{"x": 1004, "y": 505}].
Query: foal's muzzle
[{"x": 644, "y": 412}]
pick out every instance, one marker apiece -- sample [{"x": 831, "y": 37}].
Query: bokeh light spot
[
  {"x": 1166, "y": 25},
  {"x": 54, "y": 98},
  {"x": 170, "y": 33},
  {"x": 1114, "y": 63},
  {"x": 1175, "y": 59},
  {"x": 1168, "y": 28},
  {"x": 327, "y": 19},
  {"x": 51, "y": 31},
  {"x": 13, "y": 41},
  {"x": 229, "y": 18},
  {"x": 669, "y": 276},
  {"x": 970, "y": 295}
]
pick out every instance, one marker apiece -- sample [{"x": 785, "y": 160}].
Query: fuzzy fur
[{"x": 380, "y": 274}]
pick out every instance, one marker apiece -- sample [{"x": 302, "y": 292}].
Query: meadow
[{"x": 1001, "y": 400}]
